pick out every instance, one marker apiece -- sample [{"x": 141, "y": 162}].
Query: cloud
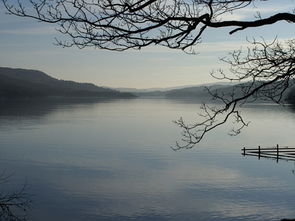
[{"x": 250, "y": 12}]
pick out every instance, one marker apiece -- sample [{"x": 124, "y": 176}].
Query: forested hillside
[{"x": 23, "y": 83}]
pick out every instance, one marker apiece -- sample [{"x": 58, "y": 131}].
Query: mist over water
[{"x": 112, "y": 160}]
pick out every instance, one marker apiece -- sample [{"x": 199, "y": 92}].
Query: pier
[{"x": 277, "y": 152}]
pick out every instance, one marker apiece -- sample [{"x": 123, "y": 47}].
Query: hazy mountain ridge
[
  {"x": 166, "y": 89},
  {"x": 24, "y": 83},
  {"x": 19, "y": 83},
  {"x": 291, "y": 95},
  {"x": 200, "y": 93}
]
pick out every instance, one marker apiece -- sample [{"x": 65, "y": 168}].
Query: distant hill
[
  {"x": 165, "y": 89},
  {"x": 146, "y": 90},
  {"x": 200, "y": 93},
  {"x": 291, "y": 96},
  {"x": 23, "y": 83},
  {"x": 197, "y": 92}
]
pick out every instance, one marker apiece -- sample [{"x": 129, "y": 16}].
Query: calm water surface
[{"x": 111, "y": 160}]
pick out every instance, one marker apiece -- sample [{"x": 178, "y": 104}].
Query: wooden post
[
  {"x": 259, "y": 151},
  {"x": 244, "y": 151},
  {"x": 277, "y": 153}
]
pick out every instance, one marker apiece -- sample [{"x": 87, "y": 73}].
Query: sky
[{"x": 25, "y": 43}]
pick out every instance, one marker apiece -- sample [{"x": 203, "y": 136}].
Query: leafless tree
[
  {"x": 265, "y": 72},
  {"x": 124, "y": 24},
  {"x": 13, "y": 205},
  {"x": 177, "y": 24}
]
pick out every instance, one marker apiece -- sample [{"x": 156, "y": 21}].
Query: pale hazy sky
[{"x": 26, "y": 43}]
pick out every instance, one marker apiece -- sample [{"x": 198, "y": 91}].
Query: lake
[{"x": 112, "y": 160}]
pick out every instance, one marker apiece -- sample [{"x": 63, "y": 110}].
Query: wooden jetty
[{"x": 277, "y": 153}]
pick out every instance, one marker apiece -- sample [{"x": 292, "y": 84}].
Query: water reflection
[
  {"x": 29, "y": 112},
  {"x": 13, "y": 204},
  {"x": 32, "y": 108},
  {"x": 111, "y": 160}
]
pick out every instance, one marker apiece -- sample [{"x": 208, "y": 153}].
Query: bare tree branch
[
  {"x": 125, "y": 24},
  {"x": 13, "y": 205},
  {"x": 266, "y": 71}
]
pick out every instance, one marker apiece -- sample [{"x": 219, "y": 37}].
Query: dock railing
[{"x": 277, "y": 152}]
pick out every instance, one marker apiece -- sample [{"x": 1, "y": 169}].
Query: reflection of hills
[
  {"x": 38, "y": 108},
  {"x": 22, "y": 83}
]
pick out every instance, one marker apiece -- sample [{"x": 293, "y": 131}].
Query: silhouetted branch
[
  {"x": 11, "y": 204},
  {"x": 124, "y": 24},
  {"x": 265, "y": 72}
]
